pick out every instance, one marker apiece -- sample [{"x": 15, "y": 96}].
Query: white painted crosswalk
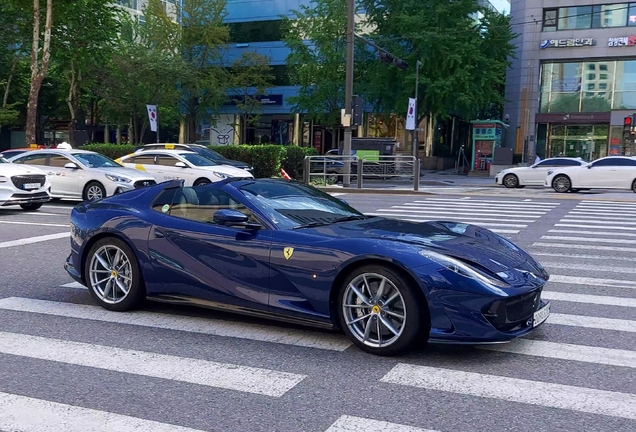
[{"x": 500, "y": 216}]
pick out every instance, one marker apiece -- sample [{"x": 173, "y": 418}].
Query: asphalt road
[{"x": 68, "y": 365}]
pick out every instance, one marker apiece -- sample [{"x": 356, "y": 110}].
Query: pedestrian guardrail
[{"x": 332, "y": 169}]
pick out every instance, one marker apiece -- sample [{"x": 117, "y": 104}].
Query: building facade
[{"x": 574, "y": 79}]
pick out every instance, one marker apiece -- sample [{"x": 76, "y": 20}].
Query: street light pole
[
  {"x": 349, "y": 91},
  {"x": 416, "y": 162}
]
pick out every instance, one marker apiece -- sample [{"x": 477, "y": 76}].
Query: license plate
[
  {"x": 541, "y": 315},
  {"x": 32, "y": 185}
]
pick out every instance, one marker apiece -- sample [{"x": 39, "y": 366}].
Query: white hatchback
[
  {"x": 27, "y": 187},
  {"x": 82, "y": 174},
  {"x": 193, "y": 168},
  {"x": 534, "y": 175}
]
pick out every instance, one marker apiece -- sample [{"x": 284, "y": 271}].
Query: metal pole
[
  {"x": 416, "y": 162},
  {"x": 349, "y": 91}
]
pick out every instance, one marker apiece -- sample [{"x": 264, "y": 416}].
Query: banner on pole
[
  {"x": 152, "y": 117},
  {"x": 410, "y": 115}
]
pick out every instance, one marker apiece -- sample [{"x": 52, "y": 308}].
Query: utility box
[
  {"x": 487, "y": 136},
  {"x": 384, "y": 146}
]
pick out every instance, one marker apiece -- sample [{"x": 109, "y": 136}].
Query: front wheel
[
  {"x": 634, "y": 186},
  {"x": 561, "y": 183},
  {"x": 201, "y": 182},
  {"x": 94, "y": 191},
  {"x": 112, "y": 275},
  {"x": 31, "y": 206},
  {"x": 511, "y": 181},
  {"x": 379, "y": 312}
]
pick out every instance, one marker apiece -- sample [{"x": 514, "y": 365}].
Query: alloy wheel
[
  {"x": 511, "y": 181},
  {"x": 110, "y": 274},
  {"x": 374, "y": 310},
  {"x": 562, "y": 184},
  {"x": 94, "y": 192}
]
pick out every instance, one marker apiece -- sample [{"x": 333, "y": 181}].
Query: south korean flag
[{"x": 152, "y": 117}]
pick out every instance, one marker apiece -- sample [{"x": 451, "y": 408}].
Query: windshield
[
  {"x": 3, "y": 160},
  {"x": 211, "y": 154},
  {"x": 197, "y": 160},
  {"x": 291, "y": 205},
  {"x": 95, "y": 160}
]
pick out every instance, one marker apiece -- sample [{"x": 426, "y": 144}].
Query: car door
[
  {"x": 536, "y": 174},
  {"x": 68, "y": 182},
  {"x": 143, "y": 162},
  {"x": 625, "y": 173},
  {"x": 601, "y": 174},
  {"x": 192, "y": 256},
  {"x": 167, "y": 170}
]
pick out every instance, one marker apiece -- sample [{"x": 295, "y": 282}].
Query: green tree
[{"x": 250, "y": 76}]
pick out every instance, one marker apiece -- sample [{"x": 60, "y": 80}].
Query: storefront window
[{"x": 588, "y": 142}]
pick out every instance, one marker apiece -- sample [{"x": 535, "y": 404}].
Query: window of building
[
  {"x": 132, "y": 4},
  {"x": 591, "y": 66},
  {"x": 572, "y": 18},
  {"x": 281, "y": 77},
  {"x": 631, "y": 16},
  {"x": 602, "y": 67},
  {"x": 550, "y": 17},
  {"x": 593, "y": 16},
  {"x": 611, "y": 15},
  {"x": 591, "y": 86},
  {"x": 591, "y": 76},
  {"x": 602, "y": 86},
  {"x": 256, "y": 31}
]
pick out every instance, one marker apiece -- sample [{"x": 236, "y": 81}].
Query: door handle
[{"x": 159, "y": 233}]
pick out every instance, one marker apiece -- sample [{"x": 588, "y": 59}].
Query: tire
[
  {"x": 406, "y": 305},
  {"x": 634, "y": 186},
  {"x": 129, "y": 275},
  {"x": 94, "y": 191},
  {"x": 511, "y": 181},
  {"x": 201, "y": 182},
  {"x": 561, "y": 183},
  {"x": 31, "y": 206}
]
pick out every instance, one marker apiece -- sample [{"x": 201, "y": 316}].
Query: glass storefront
[
  {"x": 598, "y": 86},
  {"x": 588, "y": 142}
]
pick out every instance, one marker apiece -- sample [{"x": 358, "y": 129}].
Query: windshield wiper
[{"x": 323, "y": 223}]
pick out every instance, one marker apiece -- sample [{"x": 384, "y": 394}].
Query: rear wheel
[
  {"x": 201, "y": 182},
  {"x": 561, "y": 183},
  {"x": 31, "y": 206},
  {"x": 113, "y": 276},
  {"x": 379, "y": 312},
  {"x": 511, "y": 181}
]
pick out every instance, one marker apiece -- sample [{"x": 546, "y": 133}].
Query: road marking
[
  {"x": 542, "y": 203},
  {"x": 605, "y": 206},
  {"x": 580, "y": 256},
  {"x": 590, "y": 232},
  {"x": 30, "y": 240},
  {"x": 44, "y": 214},
  {"x": 573, "y": 398},
  {"x": 591, "y": 221},
  {"x": 348, "y": 423},
  {"x": 411, "y": 209},
  {"x": 610, "y": 269},
  {"x": 604, "y": 227},
  {"x": 463, "y": 219},
  {"x": 337, "y": 194},
  {"x": 586, "y": 247},
  {"x": 580, "y": 353},
  {"x": 475, "y": 205},
  {"x": 445, "y": 216},
  {"x": 588, "y": 239},
  {"x": 604, "y": 202},
  {"x": 202, "y": 372},
  {"x": 34, "y": 223},
  {"x": 600, "y": 215},
  {"x": 589, "y": 299},
  {"x": 25, "y": 414},
  {"x": 577, "y": 280},
  {"x": 593, "y": 322},
  {"x": 74, "y": 285},
  {"x": 588, "y": 216},
  {"x": 215, "y": 327},
  {"x": 469, "y": 209}
]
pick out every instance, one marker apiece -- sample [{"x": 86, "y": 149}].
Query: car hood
[
  {"x": 130, "y": 173},
  {"x": 469, "y": 243},
  {"x": 514, "y": 169},
  {"x": 11, "y": 169},
  {"x": 227, "y": 170},
  {"x": 233, "y": 163}
]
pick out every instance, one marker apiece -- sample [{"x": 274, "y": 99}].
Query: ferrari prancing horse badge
[{"x": 288, "y": 252}]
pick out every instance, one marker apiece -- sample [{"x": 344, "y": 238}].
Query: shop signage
[
  {"x": 274, "y": 99},
  {"x": 484, "y": 131},
  {"x": 573, "y": 118},
  {"x": 621, "y": 41},
  {"x": 568, "y": 43}
]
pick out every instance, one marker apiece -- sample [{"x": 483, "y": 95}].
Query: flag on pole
[
  {"x": 152, "y": 117},
  {"x": 410, "y": 115}
]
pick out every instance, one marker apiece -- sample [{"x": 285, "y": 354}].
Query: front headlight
[
  {"x": 223, "y": 176},
  {"x": 118, "y": 179},
  {"x": 463, "y": 269}
]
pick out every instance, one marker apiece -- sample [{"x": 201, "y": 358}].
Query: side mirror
[
  {"x": 71, "y": 165},
  {"x": 589, "y": 167},
  {"x": 180, "y": 165},
  {"x": 232, "y": 218}
]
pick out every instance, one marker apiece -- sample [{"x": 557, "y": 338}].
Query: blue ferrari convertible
[{"x": 286, "y": 250}]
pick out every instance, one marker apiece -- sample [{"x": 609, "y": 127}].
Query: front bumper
[
  {"x": 126, "y": 187},
  {"x": 70, "y": 269},
  {"x": 25, "y": 198}
]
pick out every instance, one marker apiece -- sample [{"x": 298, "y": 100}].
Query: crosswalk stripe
[
  {"x": 521, "y": 203},
  {"x": 457, "y": 213},
  {"x": 588, "y": 239},
  {"x": 202, "y": 372},
  {"x": 26, "y": 414},
  {"x": 475, "y": 205},
  {"x": 604, "y": 227},
  {"x": 38, "y": 213},
  {"x": 609, "y": 269},
  {"x": 545, "y": 394},
  {"x": 30, "y": 240},
  {"x": 262, "y": 333},
  {"x": 578, "y": 280},
  {"x": 593, "y": 322},
  {"x": 603, "y": 231},
  {"x": 33, "y": 223},
  {"x": 574, "y": 219},
  {"x": 413, "y": 206},
  {"x": 605, "y": 206},
  {"x": 348, "y": 423},
  {"x": 587, "y": 216},
  {"x": 605, "y": 202},
  {"x": 583, "y": 256},
  {"x": 586, "y": 247},
  {"x": 74, "y": 285},
  {"x": 589, "y": 299},
  {"x": 580, "y": 353},
  {"x": 613, "y": 214},
  {"x": 477, "y": 220}
]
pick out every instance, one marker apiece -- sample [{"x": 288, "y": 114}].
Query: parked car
[
  {"x": 27, "y": 187},
  {"x": 8, "y": 154},
  {"x": 534, "y": 175},
  {"x": 286, "y": 250},
  {"x": 200, "y": 149},
  {"x": 181, "y": 164},
  {"x": 611, "y": 172},
  {"x": 82, "y": 174}
]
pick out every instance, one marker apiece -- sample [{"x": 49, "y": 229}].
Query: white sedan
[
  {"x": 534, "y": 175},
  {"x": 27, "y": 187},
  {"x": 611, "y": 172},
  {"x": 193, "y": 168},
  {"x": 82, "y": 174}
]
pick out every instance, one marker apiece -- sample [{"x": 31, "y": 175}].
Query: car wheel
[
  {"x": 94, "y": 191},
  {"x": 634, "y": 186},
  {"x": 379, "y": 312},
  {"x": 201, "y": 182},
  {"x": 31, "y": 207},
  {"x": 561, "y": 183},
  {"x": 113, "y": 276},
  {"x": 511, "y": 181}
]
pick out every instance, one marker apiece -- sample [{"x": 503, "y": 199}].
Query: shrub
[{"x": 113, "y": 151}]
